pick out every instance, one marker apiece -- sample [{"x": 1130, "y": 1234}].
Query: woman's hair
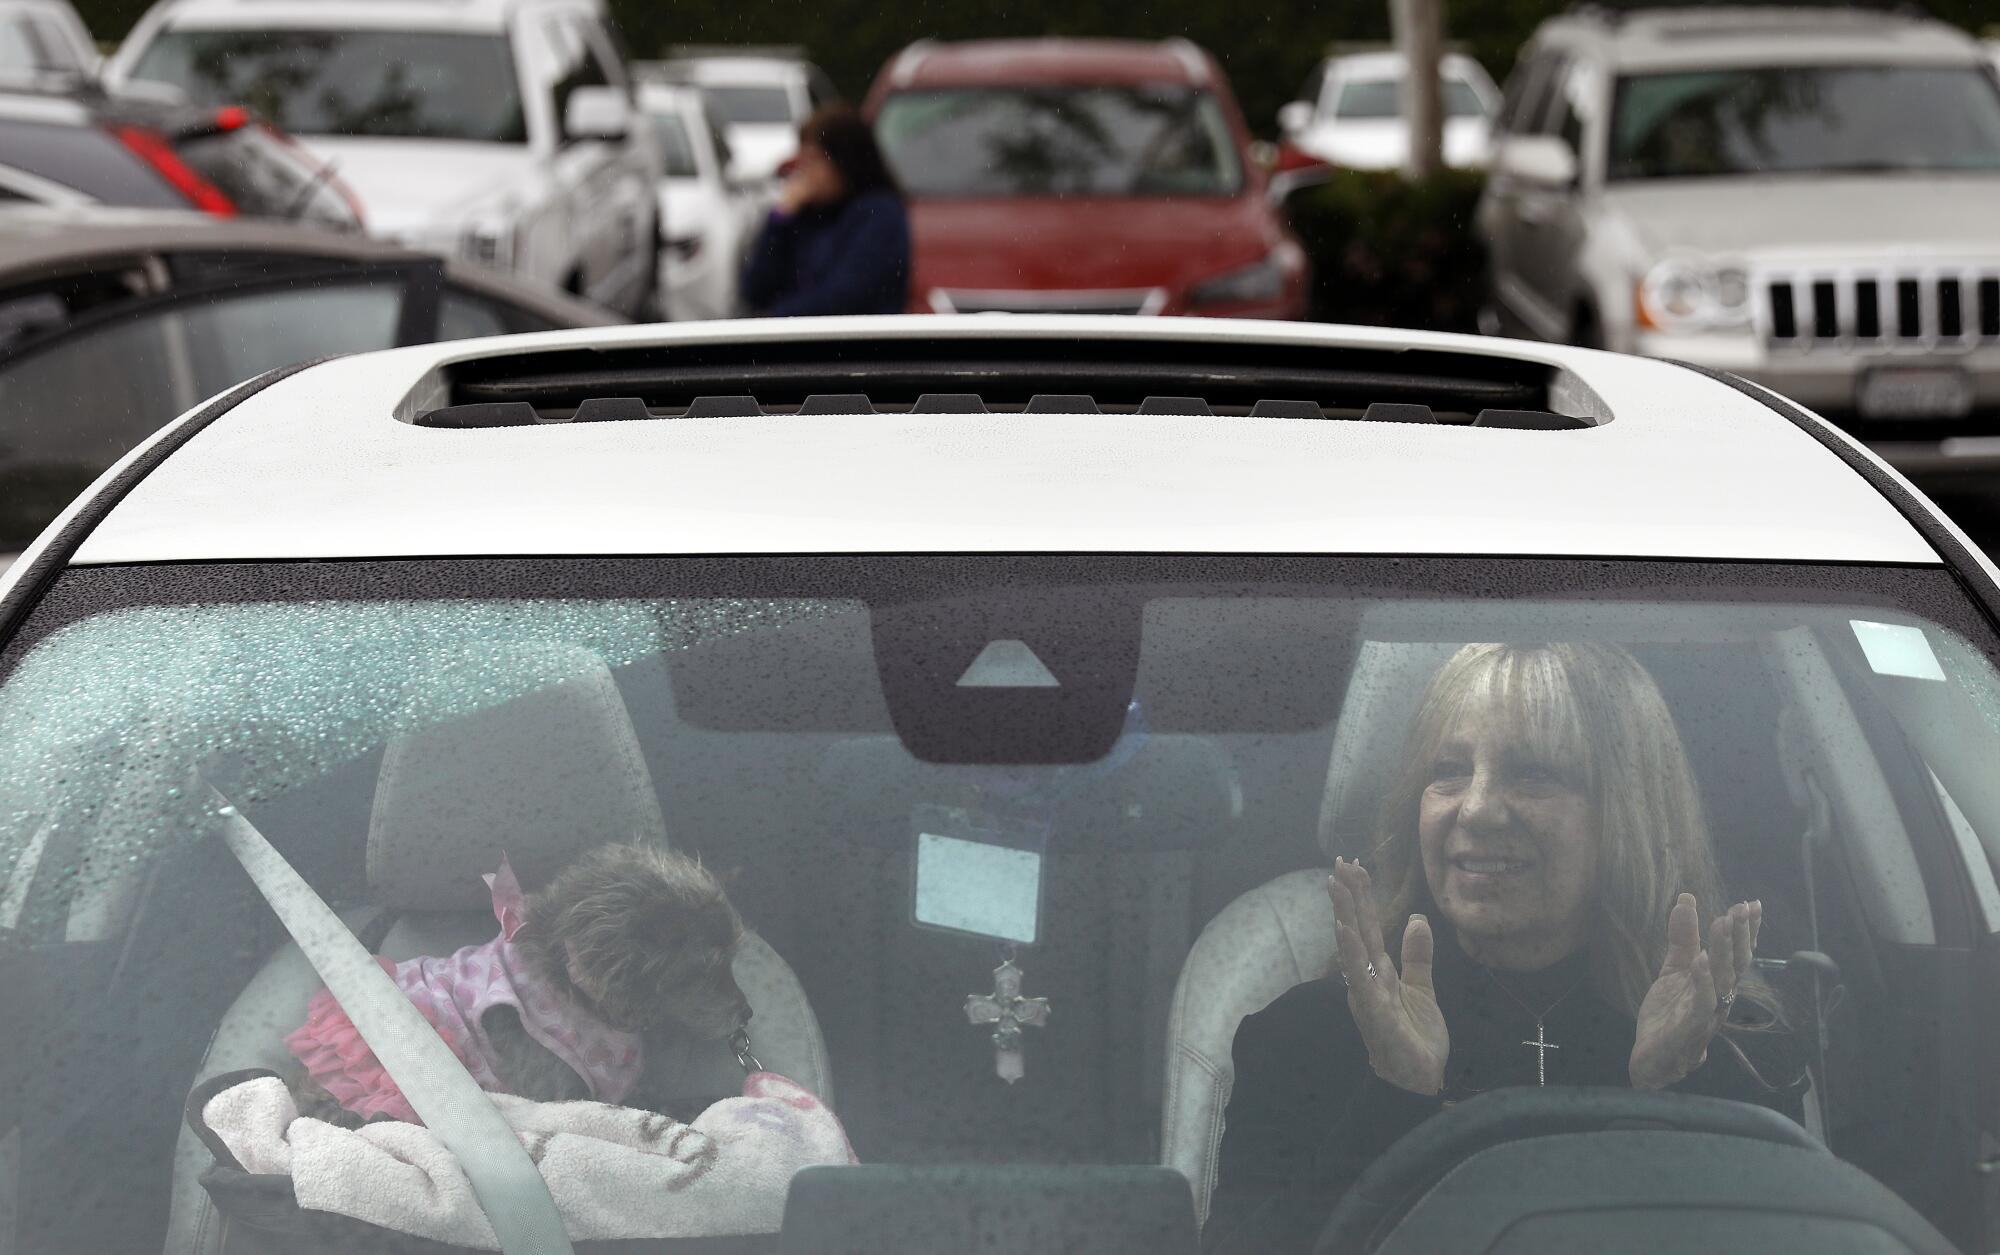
[
  {"x": 849, "y": 142},
  {"x": 1592, "y": 705}
]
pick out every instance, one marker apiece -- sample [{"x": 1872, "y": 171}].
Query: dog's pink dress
[{"x": 452, "y": 993}]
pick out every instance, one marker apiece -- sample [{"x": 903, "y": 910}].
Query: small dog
[{"x": 634, "y": 942}]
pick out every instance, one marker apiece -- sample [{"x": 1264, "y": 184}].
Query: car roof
[
  {"x": 1389, "y": 64},
  {"x": 440, "y": 15},
  {"x": 328, "y": 464},
  {"x": 1006, "y": 62},
  {"x": 40, "y": 243},
  {"x": 748, "y": 69},
  {"x": 1675, "y": 38}
]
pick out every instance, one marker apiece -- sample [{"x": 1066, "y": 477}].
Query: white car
[
  {"x": 706, "y": 213},
  {"x": 499, "y": 131},
  {"x": 1062, "y": 701},
  {"x": 45, "y": 41},
  {"x": 759, "y": 98},
  {"x": 1350, "y": 112}
]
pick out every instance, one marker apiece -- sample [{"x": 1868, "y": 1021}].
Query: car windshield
[
  {"x": 1097, "y": 140},
  {"x": 1806, "y": 120},
  {"x": 739, "y": 105},
  {"x": 1094, "y": 781},
  {"x": 670, "y": 136},
  {"x": 1382, "y": 98},
  {"x": 415, "y": 84}
]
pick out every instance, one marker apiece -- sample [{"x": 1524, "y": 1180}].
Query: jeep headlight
[{"x": 1683, "y": 295}]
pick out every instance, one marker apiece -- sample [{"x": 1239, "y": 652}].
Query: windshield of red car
[{"x": 1099, "y": 140}]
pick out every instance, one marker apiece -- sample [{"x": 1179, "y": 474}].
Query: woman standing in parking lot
[{"x": 838, "y": 241}]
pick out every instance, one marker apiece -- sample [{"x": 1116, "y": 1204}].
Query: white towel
[{"x": 615, "y": 1172}]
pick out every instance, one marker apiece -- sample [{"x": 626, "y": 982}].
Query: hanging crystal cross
[
  {"x": 1007, "y": 1010},
  {"x": 1542, "y": 1047}
]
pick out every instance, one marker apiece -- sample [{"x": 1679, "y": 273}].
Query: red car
[{"x": 1082, "y": 176}]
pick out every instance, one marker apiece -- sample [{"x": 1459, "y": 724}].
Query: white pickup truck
[{"x": 500, "y": 131}]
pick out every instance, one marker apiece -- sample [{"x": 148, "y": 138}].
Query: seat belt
[{"x": 508, "y": 1186}]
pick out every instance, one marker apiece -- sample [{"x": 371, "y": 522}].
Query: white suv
[
  {"x": 501, "y": 131},
  {"x": 1065, "y": 701},
  {"x": 1805, "y": 196}
]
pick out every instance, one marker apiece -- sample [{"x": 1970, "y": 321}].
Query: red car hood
[{"x": 1121, "y": 242}]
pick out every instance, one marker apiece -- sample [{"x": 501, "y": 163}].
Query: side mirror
[
  {"x": 1539, "y": 159},
  {"x": 600, "y": 113},
  {"x": 1279, "y": 187},
  {"x": 1295, "y": 117}
]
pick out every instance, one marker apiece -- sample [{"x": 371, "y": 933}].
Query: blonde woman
[{"x": 1542, "y": 869}]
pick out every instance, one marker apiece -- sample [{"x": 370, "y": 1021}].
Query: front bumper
[{"x": 1827, "y": 381}]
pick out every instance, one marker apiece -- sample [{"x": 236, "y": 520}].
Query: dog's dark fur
[{"x": 641, "y": 937}]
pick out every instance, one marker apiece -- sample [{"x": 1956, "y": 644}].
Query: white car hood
[
  {"x": 690, "y": 207},
  {"x": 1381, "y": 144},
  {"x": 1834, "y": 218},
  {"x": 757, "y": 150},
  {"x": 415, "y": 187}
]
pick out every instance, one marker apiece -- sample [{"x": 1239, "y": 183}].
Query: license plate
[{"x": 1914, "y": 392}]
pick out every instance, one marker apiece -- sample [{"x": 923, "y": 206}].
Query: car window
[
  {"x": 1527, "y": 92},
  {"x": 670, "y": 136},
  {"x": 579, "y": 64},
  {"x": 412, "y": 83},
  {"x": 463, "y": 315},
  {"x": 266, "y": 175},
  {"x": 1806, "y": 119},
  {"x": 23, "y": 48},
  {"x": 740, "y": 105},
  {"x": 1041, "y": 141},
  {"x": 1382, "y": 98},
  {"x": 88, "y": 159},
  {"x": 899, "y": 801},
  {"x": 30, "y": 310},
  {"x": 67, "y": 418}
]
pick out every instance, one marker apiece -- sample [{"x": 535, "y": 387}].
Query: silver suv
[{"x": 1804, "y": 197}]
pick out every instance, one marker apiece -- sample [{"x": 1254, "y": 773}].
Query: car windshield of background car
[
  {"x": 736, "y": 105},
  {"x": 1154, "y": 737},
  {"x": 1806, "y": 120},
  {"x": 1108, "y": 140},
  {"x": 1382, "y": 98},
  {"x": 413, "y": 84},
  {"x": 676, "y": 152}
]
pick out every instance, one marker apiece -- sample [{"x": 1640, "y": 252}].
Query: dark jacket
[
  {"x": 1308, "y": 1115},
  {"x": 850, "y": 258}
]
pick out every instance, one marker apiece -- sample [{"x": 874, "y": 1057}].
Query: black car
[
  {"x": 110, "y": 328},
  {"x": 135, "y": 151}
]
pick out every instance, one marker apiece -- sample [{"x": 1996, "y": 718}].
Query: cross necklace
[{"x": 1541, "y": 1045}]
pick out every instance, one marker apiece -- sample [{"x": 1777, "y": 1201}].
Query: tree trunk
[{"x": 1419, "y": 28}]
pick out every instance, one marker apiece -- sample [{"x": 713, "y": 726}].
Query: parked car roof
[
  {"x": 436, "y": 15},
  {"x": 1670, "y": 463},
  {"x": 1014, "y": 61},
  {"x": 1673, "y": 38}
]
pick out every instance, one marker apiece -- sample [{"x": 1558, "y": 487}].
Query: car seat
[
  {"x": 540, "y": 778},
  {"x": 1280, "y": 934}
]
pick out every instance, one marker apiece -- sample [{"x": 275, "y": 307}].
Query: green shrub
[{"x": 1390, "y": 252}]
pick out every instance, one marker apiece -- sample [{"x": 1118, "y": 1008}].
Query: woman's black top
[
  {"x": 1308, "y": 1114},
  {"x": 849, "y": 258}
]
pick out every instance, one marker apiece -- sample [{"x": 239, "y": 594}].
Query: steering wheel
[{"x": 1396, "y": 1182}]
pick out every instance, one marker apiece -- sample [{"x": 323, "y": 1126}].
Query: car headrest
[
  {"x": 540, "y": 778},
  {"x": 1382, "y": 697}
]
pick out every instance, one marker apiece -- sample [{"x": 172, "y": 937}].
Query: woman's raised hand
[
  {"x": 1397, "y": 1013},
  {"x": 1690, "y": 999}
]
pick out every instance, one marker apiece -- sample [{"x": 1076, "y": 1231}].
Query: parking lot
[{"x": 1208, "y": 631}]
